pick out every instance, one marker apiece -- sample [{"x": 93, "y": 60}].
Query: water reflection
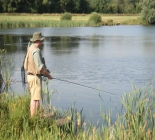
[
  {"x": 63, "y": 44},
  {"x": 13, "y": 43}
]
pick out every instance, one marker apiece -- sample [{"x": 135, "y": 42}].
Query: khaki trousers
[{"x": 35, "y": 86}]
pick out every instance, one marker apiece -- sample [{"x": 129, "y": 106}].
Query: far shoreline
[{"x": 15, "y": 20}]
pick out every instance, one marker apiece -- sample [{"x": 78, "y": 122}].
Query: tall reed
[
  {"x": 42, "y": 23},
  {"x": 6, "y": 68},
  {"x": 137, "y": 118}
]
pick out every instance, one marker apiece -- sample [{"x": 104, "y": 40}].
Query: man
[{"x": 35, "y": 67}]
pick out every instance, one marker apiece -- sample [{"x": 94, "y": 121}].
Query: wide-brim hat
[{"x": 37, "y": 36}]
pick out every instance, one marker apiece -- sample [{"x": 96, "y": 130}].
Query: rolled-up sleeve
[{"x": 37, "y": 57}]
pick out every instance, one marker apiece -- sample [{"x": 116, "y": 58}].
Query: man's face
[{"x": 39, "y": 43}]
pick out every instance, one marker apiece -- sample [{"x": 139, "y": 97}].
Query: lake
[{"x": 109, "y": 58}]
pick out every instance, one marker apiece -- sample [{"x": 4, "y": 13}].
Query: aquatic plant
[
  {"x": 137, "y": 120},
  {"x": 6, "y": 67}
]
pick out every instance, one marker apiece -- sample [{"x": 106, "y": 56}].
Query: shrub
[
  {"x": 66, "y": 16},
  {"x": 148, "y": 11},
  {"x": 95, "y": 17}
]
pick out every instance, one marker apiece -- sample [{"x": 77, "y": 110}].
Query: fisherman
[{"x": 35, "y": 66}]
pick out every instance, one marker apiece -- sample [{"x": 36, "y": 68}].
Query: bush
[
  {"x": 148, "y": 11},
  {"x": 95, "y": 17},
  {"x": 66, "y": 16}
]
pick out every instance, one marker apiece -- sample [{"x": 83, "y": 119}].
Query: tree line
[
  {"x": 73, "y": 6},
  {"x": 144, "y": 7}
]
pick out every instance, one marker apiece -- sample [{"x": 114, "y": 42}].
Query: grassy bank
[
  {"x": 53, "y": 20},
  {"x": 137, "y": 122}
]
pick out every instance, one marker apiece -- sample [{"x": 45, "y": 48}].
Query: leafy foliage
[
  {"x": 66, "y": 16},
  {"x": 21, "y": 5},
  {"x": 148, "y": 11},
  {"x": 95, "y": 18},
  {"x": 72, "y": 6}
]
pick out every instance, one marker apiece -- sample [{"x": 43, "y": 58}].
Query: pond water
[{"x": 110, "y": 58}]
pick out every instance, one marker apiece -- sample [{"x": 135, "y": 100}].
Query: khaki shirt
[
  {"x": 37, "y": 57},
  {"x": 33, "y": 62}
]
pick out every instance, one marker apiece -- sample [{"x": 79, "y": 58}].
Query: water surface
[{"x": 110, "y": 58}]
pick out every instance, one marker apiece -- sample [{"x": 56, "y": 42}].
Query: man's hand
[
  {"x": 46, "y": 73},
  {"x": 50, "y": 77}
]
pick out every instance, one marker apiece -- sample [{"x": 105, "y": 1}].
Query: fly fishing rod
[{"x": 86, "y": 86}]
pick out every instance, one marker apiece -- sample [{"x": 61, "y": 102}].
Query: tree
[
  {"x": 66, "y": 5},
  {"x": 21, "y": 5},
  {"x": 100, "y": 6},
  {"x": 5, "y": 5},
  {"x": 53, "y": 6},
  {"x": 148, "y": 11},
  {"x": 81, "y": 6},
  {"x": 1, "y": 8}
]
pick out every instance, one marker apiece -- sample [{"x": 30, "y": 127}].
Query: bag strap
[{"x": 22, "y": 68}]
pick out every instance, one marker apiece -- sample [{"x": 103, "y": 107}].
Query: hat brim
[{"x": 33, "y": 39}]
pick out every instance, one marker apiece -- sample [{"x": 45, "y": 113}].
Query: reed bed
[
  {"x": 137, "y": 120},
  {"x": 134, "y": 121},
  {"x": 47, "y": 23}
]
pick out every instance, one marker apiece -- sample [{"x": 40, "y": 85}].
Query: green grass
[
  {"x": 136, "y": 122},
  {"x": 53, "y": 20}
]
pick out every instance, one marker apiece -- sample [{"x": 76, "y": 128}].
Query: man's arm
[{"x": 40, "y": 65}]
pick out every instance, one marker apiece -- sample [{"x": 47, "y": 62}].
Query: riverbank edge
[{"x": 15, "y": 20}]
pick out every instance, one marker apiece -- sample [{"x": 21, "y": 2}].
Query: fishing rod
[
  {"x": 86, "y": 86},
  {"x": 76, "y": 84}
]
